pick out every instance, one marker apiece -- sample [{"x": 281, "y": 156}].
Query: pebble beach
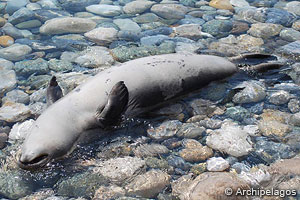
[{"x": 239, "y": 133}]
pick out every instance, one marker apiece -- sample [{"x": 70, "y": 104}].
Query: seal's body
[{"x": 148, "y": 83}]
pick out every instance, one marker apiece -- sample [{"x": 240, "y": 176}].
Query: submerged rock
[
  {"x": 264, "y": 30},
  {"x": 148, "y": 185},
  {"x": 109, "y": 192},
  {"x": 194, "y": 151},
  {"x": 104, "y": 10},
  {"x": 17, "y": 96},
  {"x": 253, "y": 91},
  {"x": 102, "y": 36},
  {"x": 169, "y": 11},
  {"x": 15, "y": 52},
  {"x": 150, "y": 150},
  {"x": 29, "y": 67},
  {"x": 217, "y": 164},
  {"x": 8, "y": 81},
  {"x": 164, "y": 130}
]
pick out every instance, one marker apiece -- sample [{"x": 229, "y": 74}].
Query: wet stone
[
  {"x": 178, "y": 162},
  {"x": 275, "y": 128},
  {"x": 146, "y": 18},
  {"x": 210, "y": 123},
  {"x": 238, "y": 113},
  {"x": 104, "y": 10},
  {"x": 137, "y": 7},
  {"x": 17, "y": 96},
  {"x": 294, "y": 105},
  {"x": 194, "y": 151},
  {"x": 165, "y": 130},
  {"x": 279, "y": 16},
  {"x": 149, "y": 185},
  {"x": 240, "y": 167},
  {"x": 102, "y": 36},
  {"x": 279, "y": 97},
  {"x": 217, "y": 164},
  {"x": 253, "y": 91},
  {"x": 21, "y": 15},
  {"x": 3, "y": 139},
  {"x": 109, "y": 192},
  {"x": 172, "y": 143},
  {"x": 150, "y": 150},
  {"x": 127, "y": 25},
  {"x": 6, "y": 41},
  {"x": 15, "y": 52},
  {"x": 218, "y": 28},
  {"x": 59, "y": 65},
  {"x": 8, "y": 81},
  {"x": 296, "y": 25},
  {"x": 27, "y": 68},
  {"x": 221, "y": 4},
  {"x": 231, "y": 139},
  {"x": 293, "y": 7},
  {"x": 190, "y": 130},
  {"x": 14, "y": 5},
  {"x": 290, "y": 50},
  {"x": 14, "y": 112},
  {"x": 44, "y": 14},
  {"x": 252, "y": 15},
  {"x": 264, "y": 30},
  {"x": 169, "y": 11},
  {"x": 191, "y": 31},
  {"x": 80, "y": 185},
  {"x": 295, "y": 119},
  {"x": 290, "y": 34},
  {"x": 14, "y": 185}
]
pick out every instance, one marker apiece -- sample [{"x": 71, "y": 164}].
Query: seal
[{"x": 129, "y": 89}]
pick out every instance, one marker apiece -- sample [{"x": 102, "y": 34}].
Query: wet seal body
[{"x": 132, "y": 88}]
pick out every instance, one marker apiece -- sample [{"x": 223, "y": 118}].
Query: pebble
[
  {"x": 294, "y": 105},
  {"x": 252, "y": 130},
  {"x": 285, "y": 167},
  {"x": 146, "y": 18},
  {"x": 264, "y": 30},
  {"x": 191, "y": 31},
  {"x": 217, "y": 164},
  {"x": 80, "y": 185},
  {"x": 8, "y": 81},
  {"x": 279, "y": 97},
  {"x": 164, "y": 130},
  {"x": 290, "y": 35},
  {"x": 2, "y": 22},
  {"x": 59, "y": 65},
  {"x": 148, "y": 185},
  {"x": 221, "y": 4},
  {"x": 274, "y": 128},
  {"x": 190, "y": 130},
  {"x": 177, "y": 162},
  {"x": 109, "y": 192},
  {"x": 231, "y": 139},
  {"x": 17, "y": 96},
  {"x": 239, "y": 3},
  {"x": 279, "y": 16},
  {"x": 94, "y": 57},
  {"x": 290, "y": 50},
  {"x": 14, "y": 112},
  {"x": 137, "y": 7},
  {"x": 255, "y": 178},
  {"x": 21, "y": 15},
  {"x": 218, "y": 28},
  {"x": 252, "y": 15},
  {"x": 3, "y": 139},
  {"x": 6, "y": 41},
  {"x": 29, "y": 24},
  {"x": 105, "y": 10},
  {"x": 15, "y": 52},
  {"x": 150, "y": 150},
  {"x": 127, "y": 25},
  {"x": 295, "y": 119},
  {"x": 252, "y": 91},
  {"x": 27, "y": 68},
  {"x": 6, "y": 64},
  {"x": 296, "y": 25},
  {"x": 102, "y": 36},
  {"x": 44, "y": 15},
  {"x": 194, "y": 151},
  {"x": 293, "y": 7},
  {"x": 208, "y": 185},
  {"x": 14, "y": 5},
  {"x": 67, "y": 25},
  {"x": 118, "y": 170},
  {"x": 169, "y": 11},
  {"x": 20, "y": 130},
  {"x": 238, "y": 113},
  {"x": 33, "y": 6}
]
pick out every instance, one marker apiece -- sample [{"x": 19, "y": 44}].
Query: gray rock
[
  {"x": 238, "y": 113},
  {"x": 279, "y": 97},
  {"x": 38, "y": 96},
  {"x": 59, "y": 65},
  {"x": 290, "y": 50},
  {"x": 164, "y": 130},
  {"x": 33, "y": 6},
  {"x": 137, "y": 7},
  {"x": 296, "y": 25},
  {"x": 21, "y": 130},
  {"x": 239, "y": 3},
  {"x": 231, "y": 139},
  {"x": 148, "y": 185},
  {"x": 188, "y": 47},
  {"x": 67, "y": 25},
  {"x": 14, "y": 112},
  {"x": 37, "y": 108},
  {"x": 146, "y": 18},
  {"x": 95, "y": 56},
  {"x": 14, "y": 5},
  {"x": 3, "y": 139},
  {"x": 154, "y": 40},
  {"x": 21, "y": 15},
  {"x": 150, "y": 150},
  {"x": 14, "y": 185},
  {"x": 29, "y": 24},
  {"x": 295, "y": 119},
  {"x": 27, "y": 68},
  {"x": 69, "y": 56},
  {"x": 252, "y": 15},
  {"x": 17, "y": 96},
  {"x": 170, "y": 11},
  {"x": 290, "y": 34},
  {"x": 217, "y": 164},
  {"x": 191, "y": 31},
  {"x": 190, "y": 130},
  {"x": 49, "y": 4},
  {"x": 102, "y": 36},
  {"x": 279, "y": 16},
  {"x": 6, "y": 64},
  {"x": 105, "y": 10},
  {"x": 127, "y": 25},
  {"x": 44, "y": 15},
  {"x": 241, "y": 167},
  {"x": 294, "y": 105},
  {"x": 264, "y": 30},
  {"x": 81, "y": 185},
  {"x": 178, "y": 162},
  {"x": 118, "y": 170},
  {"x": 15, "y": 52},
  {"x": 254, "y": 91},
  {"x": 252, "y": 130},
  {"x": 218, "y": 28},
  {"x": 8, "y": 81},
  {"x": 293, "y": 7},
  {"x": 194, "y": 151},
  {"x": 109, "y": 192}
]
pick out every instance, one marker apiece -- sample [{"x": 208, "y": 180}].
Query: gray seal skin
[{"x": 131, "y": 88}]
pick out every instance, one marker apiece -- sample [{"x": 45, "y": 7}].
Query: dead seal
[{"x": 132, "y": 88}]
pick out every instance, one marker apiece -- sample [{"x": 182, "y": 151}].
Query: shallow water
[{"x": 262, "y": 106}]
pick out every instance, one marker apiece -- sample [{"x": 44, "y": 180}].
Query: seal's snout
[{"x": 26, "y": 161}]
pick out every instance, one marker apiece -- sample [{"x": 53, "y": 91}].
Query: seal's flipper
[
  {"x": 267, "y": 66},
  {"x": 116, "y": 104},
  {"x": 54, "y": 92}
]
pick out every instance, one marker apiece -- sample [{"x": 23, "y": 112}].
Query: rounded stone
[
  {"x": 217, "y": 164},
  {"x": 296, "y": 25},
  {"x": 14, "y": 112},
  {"x": 105, "y": 10},
  {"x": 137, "y": 7},
  {"x": 2, "y": 21},
  {"x": 8, "y": 81},
  {"x": 6, "y": 41},
  {"x": 221, "y": 4},
  {"x": 102, "y": 36},
  {"x": 265, "y": 30},
  {"x": 170, "y": 11},
  {"x": 17, "y": 96},
  {"x": 293, "y": 7},
  {"x": 15, "y": 52},
  {"x": 280, "y": 97},
  {"x": 67, "y": 25},
  {"x": 290, "y": 34}
]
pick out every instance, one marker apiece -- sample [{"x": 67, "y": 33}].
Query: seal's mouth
[{"x": 35, "y": 163}]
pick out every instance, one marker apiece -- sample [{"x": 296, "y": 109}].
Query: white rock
[
  {"x": 239, "y": 3},
  {"x": 105, "y": 10},
  {"x": 231, "y": 139},
  {"x": 21, "y": 130},
  {"x": 15, "y": 52},
  {"x": 127, "y": 25},
  {"x": 102, "y": 36},
  {"x": 217, "y": 164},
  {"x": 280, "y": 97},
  {"x": 137, "y": 7},
  {"x": 14, "y": 112},
  {"x": 255, "y": 178}
]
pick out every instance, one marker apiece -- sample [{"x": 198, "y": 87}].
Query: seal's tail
[{"x": 245, "y": 56}]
